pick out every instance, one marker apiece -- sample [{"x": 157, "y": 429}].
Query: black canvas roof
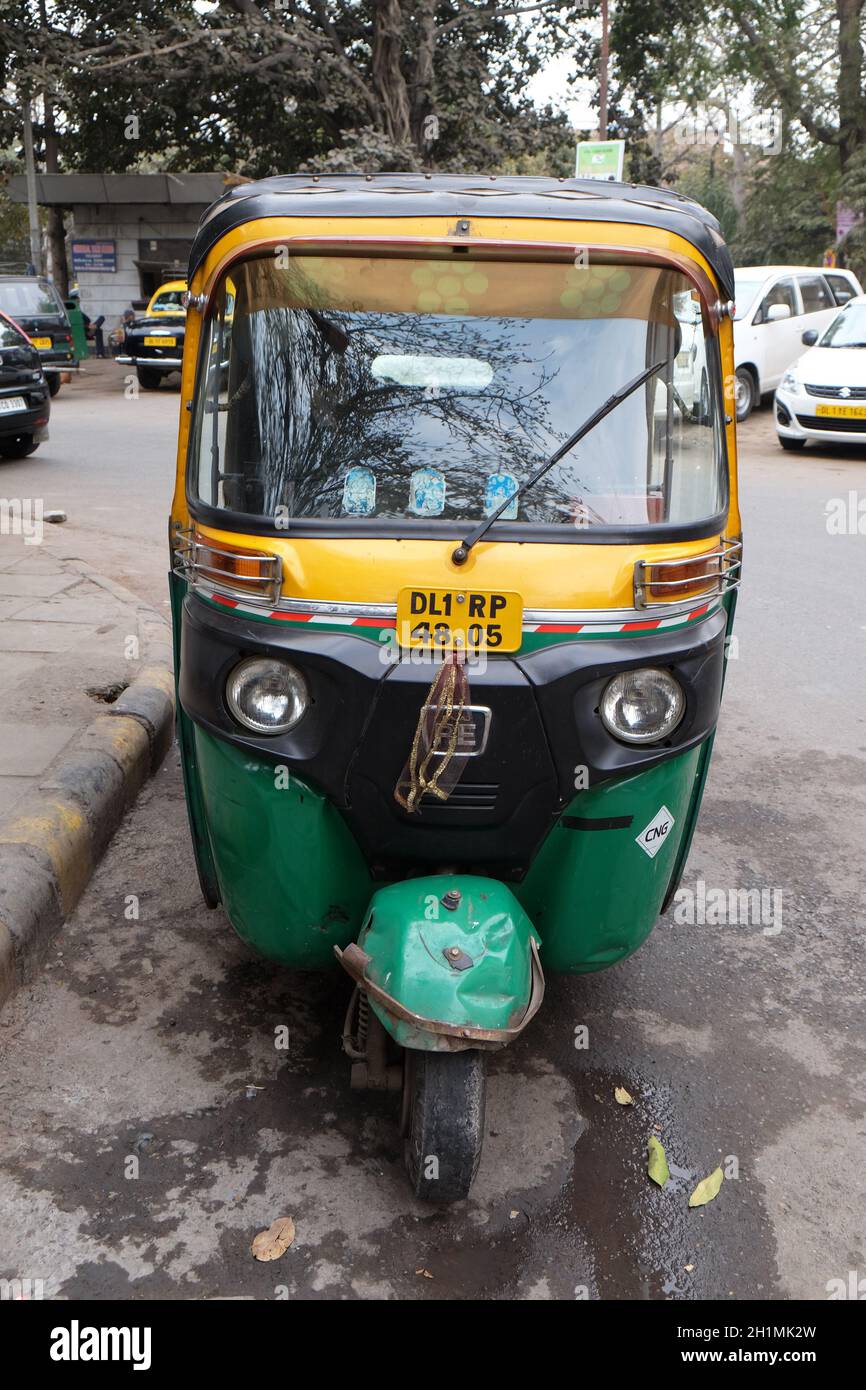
[{"x": 452, "y": 195}]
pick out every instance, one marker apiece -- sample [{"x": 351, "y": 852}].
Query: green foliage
[
  {"x": 258, "y": 89},
  {"x": 790, "y": 213}
]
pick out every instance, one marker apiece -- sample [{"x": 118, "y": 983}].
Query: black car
[
  {"x": 35, "y": 306},
  {"x": 25, "y": 404},
  {"x": 153, "y": 344}
]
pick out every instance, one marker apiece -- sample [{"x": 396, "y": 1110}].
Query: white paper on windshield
[{"x": 463, "y": 373}]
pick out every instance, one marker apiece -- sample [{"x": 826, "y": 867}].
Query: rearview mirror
[
  {"x": 810, "y": 337},
  {"x": 777, "y": 312}
]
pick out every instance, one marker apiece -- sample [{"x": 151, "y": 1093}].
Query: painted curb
[{"x": 52, "y": 842}]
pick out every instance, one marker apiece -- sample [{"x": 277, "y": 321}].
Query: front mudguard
[{"x": 448, "y": 962}]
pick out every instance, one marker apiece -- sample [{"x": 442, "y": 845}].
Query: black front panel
[
  {"x": 357, "y": 735},
  {"x": 504, "y": 801}
]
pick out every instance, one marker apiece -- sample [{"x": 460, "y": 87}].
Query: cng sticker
[{"x": 653, "y": 836}]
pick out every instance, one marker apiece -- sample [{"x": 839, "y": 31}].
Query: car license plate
[
  {"x": 160, "y": 342},
  {"x": 842, "y": 412},
  {"x": 41, "y": 342},
  {"x": 471, "y": 619},
  {"x": 10, "y": 403}
]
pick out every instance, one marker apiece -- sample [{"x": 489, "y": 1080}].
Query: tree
[{"x": 261, "y": 88}]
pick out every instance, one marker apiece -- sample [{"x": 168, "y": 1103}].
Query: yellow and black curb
[{"x": 53, "y": 841}]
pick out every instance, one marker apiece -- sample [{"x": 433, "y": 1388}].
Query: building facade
[{"x": 127, "y": 233}]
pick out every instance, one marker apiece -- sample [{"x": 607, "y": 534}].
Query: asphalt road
[{"x": 151, "y": 1039}]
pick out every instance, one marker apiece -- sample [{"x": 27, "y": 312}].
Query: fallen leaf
[
  {"x": 513, "y": 1214},
  {"x": 657, "y": 1167},
  {"x": 275, "y": 1241},
  {"x": 707, "y": 1189},
  {"x": 688, "y": 1268},
  {"x": 425, "y": 1273},
  {"x": 622, "y": 1096}
]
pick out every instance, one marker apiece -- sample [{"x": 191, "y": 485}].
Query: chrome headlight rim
[
  {"x": 658, "y": 735},
  {"x": 246, "y": 671}
]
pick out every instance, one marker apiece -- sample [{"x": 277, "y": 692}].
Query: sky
[{"x": 551, "y": 85}]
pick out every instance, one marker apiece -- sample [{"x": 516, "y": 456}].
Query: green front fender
[{"x": 441, "y": 977}]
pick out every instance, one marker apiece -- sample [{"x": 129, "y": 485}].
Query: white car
[
  {"x": 822, "y": 396},
  {"x": 776, "y": 304}
]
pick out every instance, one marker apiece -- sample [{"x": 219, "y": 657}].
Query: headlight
[
  {"x": 642, "y": 706},
  {"x": 269, "y": 697},
  {"x": 790, "y": 382}
]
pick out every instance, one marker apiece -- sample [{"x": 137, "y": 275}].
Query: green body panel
[
  {"x": 406, "y": 933},
  {"x": 291, "y": 877},
  {"x": 191, "y": 782},
  {"x": 594, "y": 895},
  {"x": 295, "y": 884},
  {"x": 729, "y": 603}
]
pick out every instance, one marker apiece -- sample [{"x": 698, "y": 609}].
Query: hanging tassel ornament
[{"x": 436, "y": 762}]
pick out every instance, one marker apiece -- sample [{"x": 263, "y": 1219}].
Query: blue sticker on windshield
[
  {"x": 427, "y": 492},
  {"x": 500, "y": 486},
  {"x": 359, "y": 492}
]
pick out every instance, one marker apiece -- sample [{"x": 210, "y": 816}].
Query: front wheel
[
  {"x": 20, "y": 446},
  {"x": 148, "y": 378},
  {"x": 445, "y": 1127},
  {"x": 745, "y": 393}
]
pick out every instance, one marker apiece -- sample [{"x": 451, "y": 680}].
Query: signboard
[
  {"x": 94, "y": 255},
  {"x": 600, "y": 159}
]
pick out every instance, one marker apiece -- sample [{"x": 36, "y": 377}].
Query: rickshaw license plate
[
  {"x": 471, "y": 619},
  {"x": 41, "y": 342},
  {"x": 842, "y": 412},
  {"x": 160, "y": 342}
]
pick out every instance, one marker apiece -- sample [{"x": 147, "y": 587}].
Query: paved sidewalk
[{"x": 70, "y": 642}]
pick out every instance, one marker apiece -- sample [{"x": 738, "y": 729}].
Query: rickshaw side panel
[
  {"x": 191, "y": 779},
  {"x": 291, "y": 877},
  {"x": 592, "y": 892}
]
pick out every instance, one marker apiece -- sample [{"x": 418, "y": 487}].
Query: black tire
[
  {"x": 20, "y": 446},
  {"x": 446, "y": 1122},
  {"x": 792, "y": 445},
  {"x": 53, "y": 382},
  {"x": 746, "y": 393},
  {"x": 148, "y": 378}
]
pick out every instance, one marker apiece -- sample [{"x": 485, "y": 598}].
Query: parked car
[
  {"x": 34, "y": 304},
  {"x": 822, "y": 396},
  {"x": 25, "y": 403},
  {"x": 775, "y": 305},
  {"x": 153, "y": 342}
]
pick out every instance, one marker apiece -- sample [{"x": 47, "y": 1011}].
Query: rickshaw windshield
[{"x": 419, "y": 389}]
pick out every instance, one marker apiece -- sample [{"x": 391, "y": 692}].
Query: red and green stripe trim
[{"x": 535, "y": 635}]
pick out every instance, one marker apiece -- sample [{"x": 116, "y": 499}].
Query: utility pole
[
  {"x": 602, "y": 72},
  {"x": 32, "y": 204}
]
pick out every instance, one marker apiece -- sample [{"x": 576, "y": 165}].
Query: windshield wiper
[{"x": 461, "y": 554}]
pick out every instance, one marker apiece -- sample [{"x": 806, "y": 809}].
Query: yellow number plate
[
  {"x": 842, "y": 412},
  {"x": 476, "y": 620},
  {"x": 41, "y": 342},
  {"x": 160, "y": 342}
]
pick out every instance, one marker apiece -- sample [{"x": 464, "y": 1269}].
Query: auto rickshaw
[{"x": 455, "y": 550}]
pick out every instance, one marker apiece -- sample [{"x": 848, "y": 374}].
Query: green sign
[{"x": 600, "y": 159}]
